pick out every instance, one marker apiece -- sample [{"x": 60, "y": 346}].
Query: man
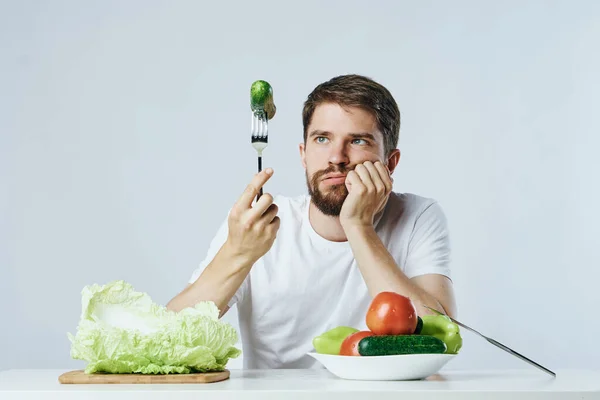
[{"x": 297, "y": 267}]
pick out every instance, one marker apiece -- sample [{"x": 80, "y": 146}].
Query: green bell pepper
[
  {"x": 330, "y": 342},
  {"x": 444, "y": 329}
]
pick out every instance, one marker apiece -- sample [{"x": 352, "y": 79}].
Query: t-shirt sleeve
[
  {"x": 214, "y": 247},
  {"x": 429, "y": 246}
]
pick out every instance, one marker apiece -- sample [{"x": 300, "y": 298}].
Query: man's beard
[{"x": 329, "y": 203}]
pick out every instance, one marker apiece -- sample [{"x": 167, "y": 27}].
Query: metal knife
[{"x": 495, "y": 343}]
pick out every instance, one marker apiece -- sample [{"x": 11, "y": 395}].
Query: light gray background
[{"x": 125, "y": 139}]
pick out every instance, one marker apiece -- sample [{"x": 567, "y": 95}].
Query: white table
[{"x": 319, "y": 384}]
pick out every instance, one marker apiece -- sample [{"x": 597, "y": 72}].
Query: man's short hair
[{"x": 362, "y": 92}]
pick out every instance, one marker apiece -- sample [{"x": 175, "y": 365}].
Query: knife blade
[{"x": 495, "y": 343}]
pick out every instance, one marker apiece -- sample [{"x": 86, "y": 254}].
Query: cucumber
[
  {"x": 261, "y": 98},
  {"x": 419, "y": 326},
  {"x": 389, "y": 345}
]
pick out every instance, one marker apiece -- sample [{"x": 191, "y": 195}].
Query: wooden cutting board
[{"x": 80, "y": 377}]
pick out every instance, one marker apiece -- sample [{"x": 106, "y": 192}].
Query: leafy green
[{"x": 123, "y": 331}]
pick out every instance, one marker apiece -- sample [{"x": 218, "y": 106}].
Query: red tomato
[
  {"x": 391, "y": 313},
  {"x": 350, "y": 344}
]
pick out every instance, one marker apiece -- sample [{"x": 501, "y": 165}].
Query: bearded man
[{"x": 299, "y": 266}]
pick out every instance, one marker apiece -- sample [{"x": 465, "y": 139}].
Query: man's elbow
[
  {"x": 448, "y": 308},
  {"x": 172, "y": 305}
]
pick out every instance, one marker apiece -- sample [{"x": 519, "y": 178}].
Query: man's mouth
[{"x": 334, "y": 179}]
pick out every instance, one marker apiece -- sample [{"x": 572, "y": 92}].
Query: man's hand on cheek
[{"x": 369, "y": 186}]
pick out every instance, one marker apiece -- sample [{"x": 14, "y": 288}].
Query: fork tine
[
  {"x": 254, "y": 125},
  {"x": 266, "y": 126}
]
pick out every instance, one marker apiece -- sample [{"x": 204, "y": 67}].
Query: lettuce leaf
[{"x": 124, "y": 331}]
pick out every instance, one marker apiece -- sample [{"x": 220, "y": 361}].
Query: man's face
[{"x": 337, "y": 140}]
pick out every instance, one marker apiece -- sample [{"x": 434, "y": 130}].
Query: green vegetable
[
  {"x": 419, "y": 325},
  {"x": 123, "y": 331},
  {"x": 441, "y": 327},
  {"x": 387, "y": 345},
  {"x": 331, "y": 341},
  {"x": 261, "y": 99}
]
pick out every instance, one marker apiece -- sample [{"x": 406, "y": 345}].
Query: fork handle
[{"x": 260, "y": 192}]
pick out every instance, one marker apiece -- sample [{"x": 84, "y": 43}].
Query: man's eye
[
  {"x": 362, "y": 141},
  {"x": 321, "y": 139}
]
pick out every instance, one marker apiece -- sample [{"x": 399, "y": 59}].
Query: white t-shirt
[{"x": 305, "y": 285}]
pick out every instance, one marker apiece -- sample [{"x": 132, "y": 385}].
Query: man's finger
[
  {"x": 376, "y": 176},
  {"x": 385, "y": 175},
  {"x": 258, "y": 181},
  {"x": 269, "y": 214},
  {"x": 365, "y": 177},
  {"x": 353, "y": 182},
  {"x": 260, "y": 207}
]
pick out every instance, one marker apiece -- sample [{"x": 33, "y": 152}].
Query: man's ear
[
  {"x": 302, "y": 154},
  {"x": 393, "y": 160}
]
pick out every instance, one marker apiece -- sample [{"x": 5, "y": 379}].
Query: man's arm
[
  {"x": 381, "y": 273},
  {"x": 174, "y": 307},
  {"x": 369, "y": 186},
  {"x": 249, "y": 233},
  {"x": 218, "y": 282}
]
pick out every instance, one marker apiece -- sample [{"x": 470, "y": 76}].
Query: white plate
[{"x": 384, "y": 368}]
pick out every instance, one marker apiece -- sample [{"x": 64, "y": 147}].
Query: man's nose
[{"x": 338, "y": 154}]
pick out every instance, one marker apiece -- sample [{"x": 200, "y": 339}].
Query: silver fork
[
  {"x": 495, "y": 342},
  {"x": 260, "y": 137}
]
